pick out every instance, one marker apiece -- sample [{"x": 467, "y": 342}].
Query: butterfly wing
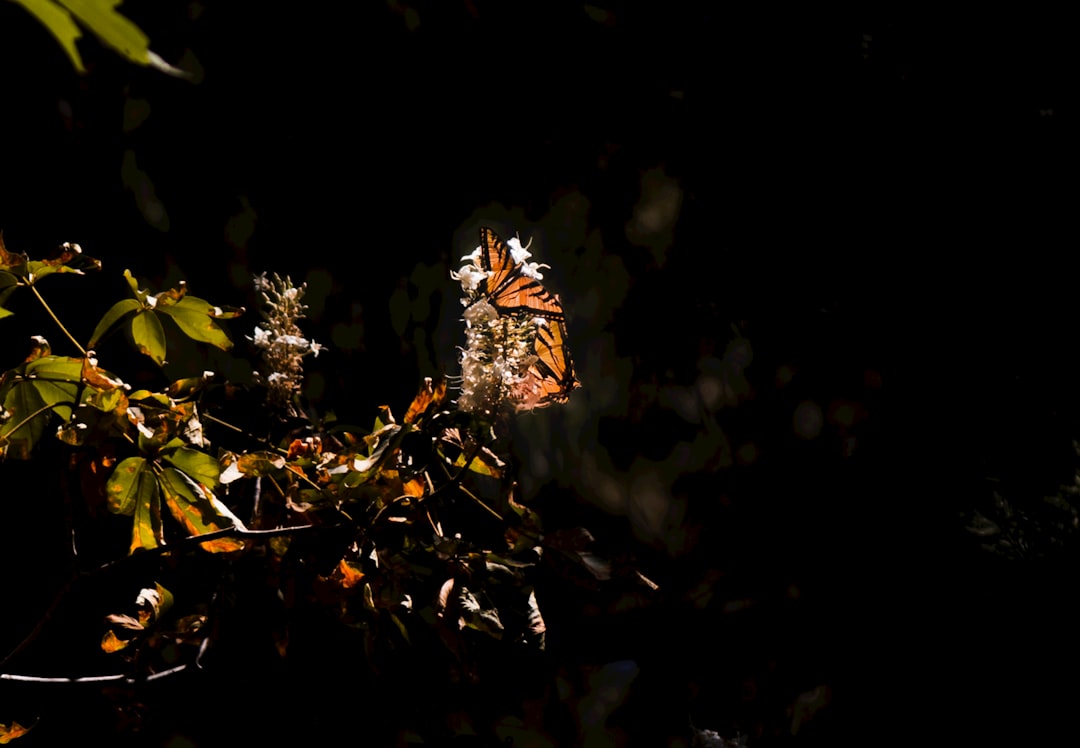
[
  {"x": 508, "y": 288},
  {"x": 552, "y": 374}
]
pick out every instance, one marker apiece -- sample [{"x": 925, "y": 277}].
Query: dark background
[{"x": 816, "y": 270}]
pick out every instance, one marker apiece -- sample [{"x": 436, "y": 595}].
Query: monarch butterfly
[
  {"x": 501, "y": 278},
  {"x": 552, "y": 374}
]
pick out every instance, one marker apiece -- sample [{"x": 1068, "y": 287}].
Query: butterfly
[
  {"x": 552, "y": 374},
  {"x": 512, "y": 287}
]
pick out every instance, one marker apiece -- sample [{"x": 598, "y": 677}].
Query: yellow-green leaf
[
  {"x": 129, "y": 483},
  {"x": 198, "y": 465},
  {"x": 146, "y": 531},
  {"x": 56, "y": 379},
  {"x": 60, "y": 24},
  {"x": 117, "y": 312},
  {"x": 198, "y": 510},
  {"x": 149, "y": 336},
  {"x": 27, "y": 416},
  {"x": 195, "y": 318}
]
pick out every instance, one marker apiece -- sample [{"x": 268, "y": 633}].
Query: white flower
[
  {"x": 294, "y": 341},
  {"x": 518, "y": 252},
  {"x": 262, "y": 338},
  {"x": 315, "y": 348},
  {"x": 532, "y": 270},
  {"x": 470, "y": 276}
]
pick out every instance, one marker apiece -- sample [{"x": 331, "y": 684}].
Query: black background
[{"x": 877, "y": 202}]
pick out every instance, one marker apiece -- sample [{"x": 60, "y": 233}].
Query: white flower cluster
[
  {"x": 496, "y": 359},
  {"x": 282, "y": 343}
]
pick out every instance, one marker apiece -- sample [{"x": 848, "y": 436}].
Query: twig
[{"x": 120, "y": 677}]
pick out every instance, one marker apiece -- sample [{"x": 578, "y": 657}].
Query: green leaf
[
  {"x": 118, "y": 311},
  {"x": 197, "y": 465},
  {"x": 146, "y": 531},
  {"x": 134, "y": 285},
  {"x": 27, "y": 417},
  {"x": 57, "y": 380},
  {"x": 8, "y": 284},
  {"x": 195, "y": 318},
  {"x": 149, "y": 336},
  {"x": 60, "y": 24},
  {"x": 153, "y": 603},
  {"x": 250, "y": 464},
  {"x": 129, "y": 484},
  {"x": 113, "y": 29},
  {"x": 100, "y": 16},
  {"x": 198, "y": 510}
]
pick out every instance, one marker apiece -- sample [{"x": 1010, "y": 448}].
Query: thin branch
[
  {"x": 57, "y": 319},
  {"x": 228, "y": 532},
  {"x": 120, "y": 677}
]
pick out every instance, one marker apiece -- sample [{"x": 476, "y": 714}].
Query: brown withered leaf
[
  {"x": 346, "y": 574},
  {"x": 431, "y": 395},
  {"x": 111, "y": 643},
  {"x": 11, "y": 732}
]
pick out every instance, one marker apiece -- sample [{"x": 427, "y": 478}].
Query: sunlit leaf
[
  {"x": 45, "y": 384},
  {"x": 184, "y": 389},
  {"x": 149, "y": 336},
  {"x": 9, "y": 733},
  {"x": 8, "y": 284},
  {"x": 130, "y": 482},
  {"x": 67, "y": 258},
  {"x": 444, "y": 597},
  {"x": 107, "y": 401},
  {"x": 251, "y": 465},
  {"x": 430, "y": 395},
  {"x": 195, "y": 305},
  {"x": 146, "y": 531},
  {"x": 383, "y": 419},
  {"x": 347, "y": 575},
  {"x": 152, "y": 603},
  {"x": 134, "y": 286},
  {"x": 60, "y": 24},
  {"x": 98, "y": 378},
  {"x": 125, "y": 621},
  {"x": 308, "y": 447},
  {"x": 194, "y": 317},
  {"x": 116, "y": 312},
  {"x": 169, "y": 296},
  {"x": 477, "y": 613},
  {"x": 537, "y": 627},
  {"x": 198, "y": 510},
  {"x": 112, "y": 643},
  {"x": 100, "y": 16},
  {"x": 39, "y": 348},
  {"x": 158, "y": 398},
  {"x": 56, "y": 379},
  {"x": 27, "y": 416},
  {"x": 198, "y": 465}
]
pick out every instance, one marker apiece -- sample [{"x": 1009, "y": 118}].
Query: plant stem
[{"x": 57, "y": 320}]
